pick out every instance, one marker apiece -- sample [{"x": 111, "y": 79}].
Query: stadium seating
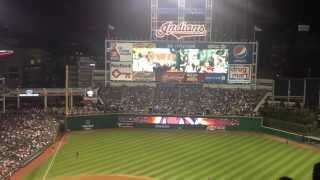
[
  {"x": 180, "y": 100},
  {"x": 23, "y": 134}
]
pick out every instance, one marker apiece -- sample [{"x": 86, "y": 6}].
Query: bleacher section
[{"x": 180, "y": 99}]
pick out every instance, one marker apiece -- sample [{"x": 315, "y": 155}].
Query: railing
[{"x": 263, "y": 100}]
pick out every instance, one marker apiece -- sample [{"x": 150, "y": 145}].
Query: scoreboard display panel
[{"x": 180, "y": 60}]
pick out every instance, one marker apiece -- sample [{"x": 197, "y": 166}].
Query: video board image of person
[
  {"x": 146, "y": 59},
  {"x": 180, "y": 60}
]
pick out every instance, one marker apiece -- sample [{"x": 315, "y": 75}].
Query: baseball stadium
[{"x": 176, "y": 105}]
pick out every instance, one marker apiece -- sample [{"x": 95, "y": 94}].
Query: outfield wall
[
  {"x": 111, "y": 121},
  {"x": 284, "y": 134},
  {"x": 91, "y": 122},
  {"x": 231, "y": 123}
]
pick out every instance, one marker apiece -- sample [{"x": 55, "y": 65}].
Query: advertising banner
[
  {"x": 121, "y": 51},
  {"x": 215, "y": 78},
  {"x": 239, "y": 73},
  {"x": 121, "y": 71},
  {"x": 219, "y": 123},
  {"x": 192, "y": 77},
  {"x": 144, "y": 45},
  {"x": 240, "y": 54},
  {"x": 172, "y": 76},
  {"x": 143, "y": 76}
]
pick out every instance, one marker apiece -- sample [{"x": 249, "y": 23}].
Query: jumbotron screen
[
  {"x": 189, "y": 121},
  {"x": 180, "y": 60}
]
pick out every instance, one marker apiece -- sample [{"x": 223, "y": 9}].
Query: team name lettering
[{"x": 181, "y": 30}]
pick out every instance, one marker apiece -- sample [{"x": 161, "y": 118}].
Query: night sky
[
  {"x": 43, "y": 21},
  {"x": 50, "y": 24}
]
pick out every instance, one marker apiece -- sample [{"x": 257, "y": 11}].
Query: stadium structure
[{"x": 178, "y": 105}]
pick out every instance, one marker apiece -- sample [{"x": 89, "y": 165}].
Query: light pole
[{"x": 92, "y": 65}]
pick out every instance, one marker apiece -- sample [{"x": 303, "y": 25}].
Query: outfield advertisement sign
[
  {"x": 88, "y": 124},
  {"x": 192, "y": 77},
  {"x": 239, "y": 73},
  {"x": 215, "y": 78},
  {"x": 121, "y": 52},
  {"x": 143, "y": 76},
  {"x": 144, "y": 45},
  {"x": 121, "y": 71},
  {"x": 172, "y": 76},
  {"x": 174, "y": 120},
  {"x": 240, "y": 54}
]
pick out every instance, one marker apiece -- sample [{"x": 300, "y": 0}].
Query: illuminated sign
[
  {"x": 181, "y": 30},
  {"x": 121, "y": 71},
  {"x": 239, "y": 73},
  {"x": 90, "y": 93},
  {"x": 29, "y": 93},
  {"x": 6, "y": 52}
]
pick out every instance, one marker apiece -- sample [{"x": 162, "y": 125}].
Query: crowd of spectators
[
  {"x": 182, "y": 100},
  {"x": 23, "y": 134}
]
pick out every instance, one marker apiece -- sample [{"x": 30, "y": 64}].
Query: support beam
[
  {"x": 71, "y": 99},
  {"x": 4, "y": 104},
  {"x": 66, "y": 91},
  {"x": 45, "y": 98},
  {"x": 18, "y": 102}
]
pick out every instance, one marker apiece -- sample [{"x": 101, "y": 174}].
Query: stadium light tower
[{"x": 92, "y": 67}]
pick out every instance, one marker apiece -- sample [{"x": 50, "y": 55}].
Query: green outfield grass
[{"x": 179, "y": 154}]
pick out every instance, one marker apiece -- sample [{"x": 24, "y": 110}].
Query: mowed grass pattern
[{"x": 179, "y": 154}]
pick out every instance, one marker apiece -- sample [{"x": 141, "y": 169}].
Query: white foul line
[{"x": 52, "y": 160}]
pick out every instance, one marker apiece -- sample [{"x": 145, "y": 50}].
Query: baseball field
[{"x": 177, "y": 154}]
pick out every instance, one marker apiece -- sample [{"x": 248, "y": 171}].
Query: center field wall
[
  {"x": 253, "y": 124},
  {"x": 111, "y": 120}
]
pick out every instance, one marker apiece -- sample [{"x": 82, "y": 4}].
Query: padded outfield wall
[
  {"x": 232, "y": 123},
  {"x": 156, "y": 121}
]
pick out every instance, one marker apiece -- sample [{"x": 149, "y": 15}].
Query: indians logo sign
[{"x": 181, "y": 30}]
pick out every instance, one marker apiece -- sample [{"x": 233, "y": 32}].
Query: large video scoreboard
[{"x": 182, "y": 62}]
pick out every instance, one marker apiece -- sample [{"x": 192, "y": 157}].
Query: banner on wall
[
  {"x": 215, "y": 78},
  {"x": 143, "y": 76},
  {"x": 192, "y": 77},
  {"x": 172, "y": 76},
  {"x": 239, "y": 73},
  {"x": 121, "y": 51},
  {"x": 240, "y": 54},
  {"x": 218, "y": 123},
  {"x": 121, "y": 71},
  {"x": 144, "y": 45}
]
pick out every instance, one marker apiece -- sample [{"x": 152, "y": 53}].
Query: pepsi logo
[{"x": 240, "y": 51}]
